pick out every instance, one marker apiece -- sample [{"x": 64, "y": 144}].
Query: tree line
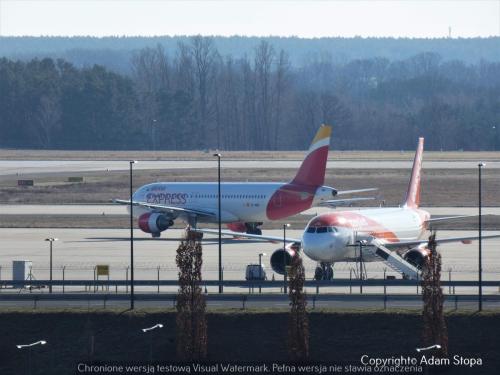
[{"x": 197, "y": 98}]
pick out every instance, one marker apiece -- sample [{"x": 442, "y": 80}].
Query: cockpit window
[
  {"x": 332, "y": 229},
  {"x": 322, "y": 230},
  {"x": 311, "y": 230}
]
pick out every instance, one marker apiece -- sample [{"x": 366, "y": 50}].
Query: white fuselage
[
  {"x": 245, "y": 202},
  {"x": 329, "y": 237}
]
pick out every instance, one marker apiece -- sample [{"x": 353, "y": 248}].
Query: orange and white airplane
[
  {"x": 244, "y": 205},
  {"x": 396, "y": 236}
]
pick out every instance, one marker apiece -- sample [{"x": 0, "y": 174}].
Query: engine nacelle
[
  {"x": 417, "y": 257},
  {"x": 238, "y": 226},
  {"x": 282, "y": 258},
  {"x": 154, "y": 222},
  {"x": 241, "y": 227}
]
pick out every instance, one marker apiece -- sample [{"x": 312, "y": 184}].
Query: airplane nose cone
[{"x": 324, "y": 247}]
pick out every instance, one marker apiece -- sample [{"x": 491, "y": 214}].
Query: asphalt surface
[
  {"x": 13, "y": 167},
  {"x": 78, "y": 251}
]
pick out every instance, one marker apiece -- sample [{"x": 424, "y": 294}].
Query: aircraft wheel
[
  {"x": 329, "y": 272},
  {"x": 318, "y": 273}
]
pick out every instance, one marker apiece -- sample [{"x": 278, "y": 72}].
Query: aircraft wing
[
  {"x": 246, "y": 235},
  {"x": 344, "y": 202},
  {"x": 163, "y": 208},
  {"x": 344, "y": 192},
  {"x": 392, "y": 245}
]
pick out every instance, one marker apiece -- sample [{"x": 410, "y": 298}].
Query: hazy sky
[{"x": 405, "y": 18}]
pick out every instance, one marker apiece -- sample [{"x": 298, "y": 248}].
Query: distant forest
[{"x": 248, "y": 94}]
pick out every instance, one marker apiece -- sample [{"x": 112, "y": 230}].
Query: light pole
[
  {"x": 284, "y": 256},
  {"x": 131, "y": 162},
  {"x": 29, "y": 346},
  {"x": 150, "y": 329},
  {"x": 480, "y": 296},
  {"x": 219, "y": 220},
  {"x": 50, "y": 240}
]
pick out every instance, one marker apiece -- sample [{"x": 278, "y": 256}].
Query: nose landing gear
[{"x": 324, "y": 271}]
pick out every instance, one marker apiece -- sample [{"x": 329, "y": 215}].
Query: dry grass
[
  {"x": 8, "y": 154},
  {"x": 449, "y": 187}
]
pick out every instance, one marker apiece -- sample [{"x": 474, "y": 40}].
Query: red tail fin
[
  {"x": 312, "y": 170},
  {"x": 413, "y": 193}
]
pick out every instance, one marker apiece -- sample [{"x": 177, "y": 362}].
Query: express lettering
[{"x": 166, "y": 198}]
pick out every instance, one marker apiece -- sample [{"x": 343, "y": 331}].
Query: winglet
[
  {"x": 312, "y": 169},
  {"x": 413, "y": 193}
]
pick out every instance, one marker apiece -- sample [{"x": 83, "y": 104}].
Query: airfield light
[
  {"x": 41, "y": 342},
  {"x": 158, "y": 325},
  {"x": 131, "y": 162},
  {"x": 284, "y": 256},
  {"x": 218, "y": 156},
  {"x": 50, "y": 240},
  {"x": 151, "y": 329},
  {"x": 29, "y": 346},
  {"x": 480, "y": 291}
]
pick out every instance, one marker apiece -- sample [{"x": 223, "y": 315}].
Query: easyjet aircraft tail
[
  {"x": 413, "y": 193},
  {"x": 312, "y": 169}
]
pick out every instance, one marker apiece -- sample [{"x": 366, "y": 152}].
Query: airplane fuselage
[
  {"x": 245, "y": 202},
  {"x": 329, "y": 237}
]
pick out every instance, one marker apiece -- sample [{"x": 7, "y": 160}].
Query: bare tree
[
  {"x": 264, "y": 58},
  {"x": 298, "y": 324},
  {"x": 191, "y": 324},
  {"x": 204, "y": 55},
  {"x": 434, "y": 327},
  {"x": 47, "y": 119},
  {"x": 282, "y": 69}
]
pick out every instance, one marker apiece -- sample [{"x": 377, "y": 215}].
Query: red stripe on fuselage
[{"x": 355, "y": 221}]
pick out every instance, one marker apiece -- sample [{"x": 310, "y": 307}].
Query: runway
[
  {"x": 27, "y": 167},
  {"x": 80, "y": 250},
  {"x": 114, "y": 209}
]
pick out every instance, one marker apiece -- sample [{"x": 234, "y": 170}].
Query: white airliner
[
  {"x": 244, "y": 205},
  {"x": 396, "y": 236}
]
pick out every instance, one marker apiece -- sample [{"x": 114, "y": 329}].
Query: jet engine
[
  {"x": 249, "y": 228},
  {"x": 282, "y": 257},
  {"x": 154, "y": 222},
  {"x": 237, "y": 227},
  {"x": 417, "y": 257}
]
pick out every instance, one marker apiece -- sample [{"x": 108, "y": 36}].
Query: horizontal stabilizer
[
  {"x": 344, "y": 192},
  {"x": 344, "y": 202}
]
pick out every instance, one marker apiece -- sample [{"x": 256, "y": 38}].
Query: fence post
[
  {"x": 95, "y": 272},
  {"x": 456, "y": 302},
  {"x": 158, "y": 272},
  {"x": 64, "y": 282},
  {"x": 449, "y": 279},
  {"x": 126, "y": 279},
  {"x": 350, "y": 281}
]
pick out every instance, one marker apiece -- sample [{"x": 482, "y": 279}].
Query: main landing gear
[
  {"x": 253, "y": 228},
  {"x": 324, "y": 271}
]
